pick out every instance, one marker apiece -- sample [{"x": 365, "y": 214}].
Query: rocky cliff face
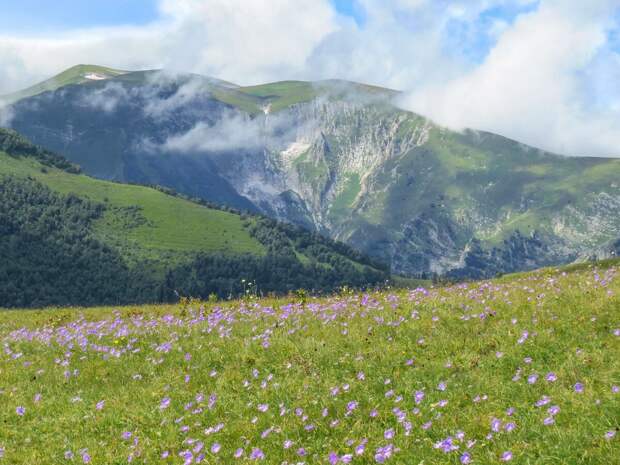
[
  {"x": 348, "y": 164},
  {"x": 397, "y": 186}
]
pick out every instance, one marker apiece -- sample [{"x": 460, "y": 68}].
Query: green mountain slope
[
  {"x": 149, "y": 222},
  {"x": 79, "y": 74},
  {"x": 340, "y": 158},
  {"x": 162, "y": 243}
]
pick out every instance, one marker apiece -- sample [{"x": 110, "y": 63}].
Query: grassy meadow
[{"x": 525, "y": 369}]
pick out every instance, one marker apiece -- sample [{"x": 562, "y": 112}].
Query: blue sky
[
  {"x": 28, "y": 16},
  {"x": 350, "y": 8}
]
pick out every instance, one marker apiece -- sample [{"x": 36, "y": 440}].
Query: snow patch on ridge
[{"x": 95, "y": 76}]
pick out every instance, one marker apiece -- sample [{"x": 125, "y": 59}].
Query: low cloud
[
  {"x": 106, "y": 98},
  {"x": 6, "y": 115},
  {"x": 191, "y": 88},
  {"x": 235, "y": 131}
]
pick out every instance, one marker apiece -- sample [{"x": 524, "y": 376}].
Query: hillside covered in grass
[
  {"x": 69, "y": 239},
  {"x": 522, "y": 370}
]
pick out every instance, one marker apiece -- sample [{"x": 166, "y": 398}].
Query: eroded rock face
[
  {"x": 386, "y": 181},
  {"x": 428, "y": 201}
]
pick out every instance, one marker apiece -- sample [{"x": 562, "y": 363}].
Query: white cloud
[
  {"x": 529, "y": 88},
  {"x": 6, "y": 115},
  {"x": 106, "y": 98},
  {"x": 542, "y": 82},
  {"x": 248, "y": 41},
  {"x": 234, "y": 131}
]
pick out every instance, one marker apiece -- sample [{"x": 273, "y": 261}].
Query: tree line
[{"x": 49, "y": 256}]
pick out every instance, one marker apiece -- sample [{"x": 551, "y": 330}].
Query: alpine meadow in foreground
[{"x": 524, "y": 369}]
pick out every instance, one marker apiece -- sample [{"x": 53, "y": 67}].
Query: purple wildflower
[
  {"x": 257, "y": 454},
  {"x": 383, "y": 453},
  {"x": 351, "y": 406},
  {"x": 496, "y": 425},
  {"x": 447, "y": 445}
]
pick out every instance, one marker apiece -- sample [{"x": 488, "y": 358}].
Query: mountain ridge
[{"x": 342, "y": 159}]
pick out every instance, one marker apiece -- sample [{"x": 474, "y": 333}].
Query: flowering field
[{"x": 525, "y": 370}]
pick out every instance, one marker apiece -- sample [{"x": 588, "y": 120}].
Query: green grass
[
  {"x": 282, "y": 94},
  {"x": 73, "y": 75},
  {"x": 290, "y": 354},
  {"x": 310, "y": 171},
  {"x": 165, "y": 225},
  {"x": 343, "y": 203},
  {"x": 251, "y": 99}
]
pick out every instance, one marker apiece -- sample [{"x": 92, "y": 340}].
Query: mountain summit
[{"x": 337, "y": 157}]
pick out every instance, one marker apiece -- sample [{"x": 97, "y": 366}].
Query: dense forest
[
  {"x": 47, "y": 255},
  {"x": 328, "y": 266},
  {"x": 50, "y": 255}
]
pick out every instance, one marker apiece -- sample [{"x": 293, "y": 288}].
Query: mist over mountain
[{"x": 336, "y": 157}]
